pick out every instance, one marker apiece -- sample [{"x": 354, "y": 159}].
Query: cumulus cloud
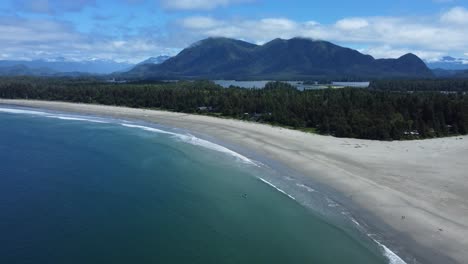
[
  {"x": 198, "y": 4},
  {"x": 351, "y": 23},
  {"x": 393, "y": 36},
  {"x": 456, "y": 15},
  {"x": 387, "y": 51},
  {"x": 428, "y": 37},
  {"x": 27, "y": 39}
]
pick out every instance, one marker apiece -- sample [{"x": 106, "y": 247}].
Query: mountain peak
[
  {"x": 409, "y": 56},
  {"x": 296, "y": 58}
]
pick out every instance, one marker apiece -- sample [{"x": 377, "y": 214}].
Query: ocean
[{"x": 81, "y": 189}]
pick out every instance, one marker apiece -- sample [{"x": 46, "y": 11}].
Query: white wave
[
  {"x": 196, "y": 141},
  {"x": 390, "y": 255},
  {"x": 76, "y": 119},
  {"x": 278, "y": 189},
  {"x": 305, "y": 187},
  {"x": 331, "y": 203},
  {"x": 49, "y": 115},
  {"x": 21, "y": 111},
  {"x": 355, "y": 222}
]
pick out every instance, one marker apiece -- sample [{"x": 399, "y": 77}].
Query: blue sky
[{"x": 132, "y": 30}]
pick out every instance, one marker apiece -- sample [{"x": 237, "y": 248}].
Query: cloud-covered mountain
[
  {"x": 297, "y": 58},
  {"x": 449, "y": 63},
  {"x": 155, "y": 60}
]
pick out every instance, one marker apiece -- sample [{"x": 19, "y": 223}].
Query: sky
[{"x": 134, "y": 30}]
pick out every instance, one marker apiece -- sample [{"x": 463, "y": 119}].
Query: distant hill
[
  {"x": 297, "y": 58},
  {"x": 155, "y": 60},
  {"x": 23, "y": 70},
  {"x": 62, "y": 65},
  {"x": 449, "y": 63},
  {"x": 443, "y": 73},
  {"x": 463, "y": 74}
]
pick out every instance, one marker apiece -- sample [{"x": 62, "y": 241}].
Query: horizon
[{"x": 135, "y": 30}]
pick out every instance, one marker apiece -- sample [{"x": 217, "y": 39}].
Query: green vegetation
[
  {"x": 441, "y": 85},
  {"x": 359, "y": 113}
]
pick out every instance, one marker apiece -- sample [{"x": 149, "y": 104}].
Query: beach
[{"x": 413, "y": 193}]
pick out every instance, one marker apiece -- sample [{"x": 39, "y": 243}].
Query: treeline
[
  {"x": 358, "y": 113},
  {"x": 441, "y": 85}
]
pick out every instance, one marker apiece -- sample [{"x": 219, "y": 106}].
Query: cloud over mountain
[{"x": 133, "y": 30}]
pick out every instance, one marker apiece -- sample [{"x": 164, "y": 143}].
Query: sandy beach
[{"x": 413, "y": 192}]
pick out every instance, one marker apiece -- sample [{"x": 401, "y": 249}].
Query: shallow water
[{"x": 75, "y": 189}]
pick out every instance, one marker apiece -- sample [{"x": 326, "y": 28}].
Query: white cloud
[
  {"x": 351, "y": 23},
  {"x": 27, "y": 39},
  {"x": 387, "y": 51},
  {"x": 198, "y": 4},
  {"x": 428, "y": 36},
  {"x": 456, "y": 15}
]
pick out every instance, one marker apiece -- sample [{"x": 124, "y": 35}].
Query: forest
[
  {"x": 441, "y": 85},
  {"x": 389, "y": 110}
]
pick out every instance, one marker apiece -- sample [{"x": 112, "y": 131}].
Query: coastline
[{"x": 414, "y": 192}]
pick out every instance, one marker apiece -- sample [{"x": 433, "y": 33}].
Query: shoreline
[{"x": 413, "y": 193}]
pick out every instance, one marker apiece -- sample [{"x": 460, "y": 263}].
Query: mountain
[
  {"x": 462, "y": 74},
  {"x": 457, "y": 74},
  {"x": 155, "y": 60},
  {"x": 297, "y": 58},
  {"x": 449, "y": 63},
  {"x": 23, "y": 70},
  {"x": 92, "y": 66}
]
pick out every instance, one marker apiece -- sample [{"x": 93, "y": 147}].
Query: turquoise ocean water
[{"x": 77, "y": 189}]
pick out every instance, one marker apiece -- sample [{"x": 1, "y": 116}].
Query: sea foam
[
  {"x": 392, "y": 257},
  {"x": 76, "y": 119},
  {"x": 190, "y": 139},
  {"x": 277, "y": 188},
  {"x": 49, "y": 115}
]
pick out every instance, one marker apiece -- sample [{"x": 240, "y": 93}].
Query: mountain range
[
  {"x": 93, "y": 66},
  {"x": 23, "y": 70},
  {"x": 62, "y": 67},
  {"x": 297, "y": 58},
  {"x": 449, "y": 63}
]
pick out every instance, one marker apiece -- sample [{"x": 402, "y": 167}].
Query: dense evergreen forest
[
  {"x": 385, "y": 111},
  {"x": 441, "y": 85}
]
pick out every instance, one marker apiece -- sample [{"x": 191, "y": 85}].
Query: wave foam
[
  {"x": 309, "y": 189},
  {"x": 76, "y": 119},
  {"x": 390, "y": 255},
  {"x": 49, "y": 115},
  {"x": 278, "y": 189},
  {"x": 196, "y": 141},
  {"x": 20, "y": 111}
]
